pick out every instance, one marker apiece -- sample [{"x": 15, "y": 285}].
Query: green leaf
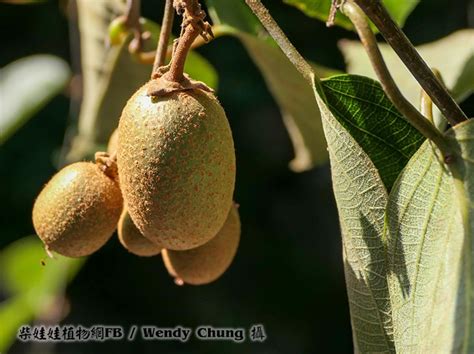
[
  {"x": 429, "y": 229},
  {"x": 14, "y": 313},
  {"x": 409, "y": 256},
  {"x": 236, "y": 15},
  {"x": 111, "y": 75},
  {"x": 294, "y": 96},
  {"x": 32, "y": 286},
  {"x": 362, "y": 108},
  {"x": 453, "y": 56},
  {"x": 26, "y": 86},
  {"x": 429, "y": 216},
  {"x": 404, "y": 277},
  {"x": 410, "y": 281},
  {"x": 424, "y": 246},
  {"x": 361, "y": 199},
  {"x": 398, "y": 9},
  {"x": 298, "y": 107},
  {"x": 462, "y": 137},
  {"x": 21, "y": 268}
]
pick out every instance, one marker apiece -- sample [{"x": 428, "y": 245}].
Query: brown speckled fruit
[
  {"x": 113, "y": 141},
  {"x": 208, "y": 262},
  {"x": 131, "y": 238},
  {"x": 176, "y": 164},
  {"x": 77, "y": 211}
]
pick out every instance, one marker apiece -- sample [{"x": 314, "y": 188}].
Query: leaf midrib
[{"x": 423, "y": 238}]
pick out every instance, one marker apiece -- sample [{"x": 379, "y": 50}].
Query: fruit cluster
[{"x": 166, "y": 184}]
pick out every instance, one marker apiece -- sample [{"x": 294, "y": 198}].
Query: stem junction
[{"x": 171, "y": 78}]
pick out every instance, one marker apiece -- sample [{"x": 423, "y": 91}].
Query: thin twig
[
  {"x": 413, "y": 61},
  {"x": 165, "y": 33},
  {"x": 367, "y": 37},
  {"x": 280, "y": 38}
]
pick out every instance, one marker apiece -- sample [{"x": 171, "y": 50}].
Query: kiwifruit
[
  {"x": 131, "y": 238},
  {"x": 113, "y": 141},
  {"x": 176, "y": 164},
  {"x": 77, "y": 211},
  {"x": 208, "y": 262}
]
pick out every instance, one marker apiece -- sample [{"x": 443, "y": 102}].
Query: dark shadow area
[
  {"x": 397, "y": 261},
  {"x": 373, "y": 283}
]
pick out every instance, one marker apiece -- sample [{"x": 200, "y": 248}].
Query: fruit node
[{"x": 107, "y": 164}]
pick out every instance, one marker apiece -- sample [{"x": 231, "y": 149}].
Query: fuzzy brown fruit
[
  {"x": 176, "y": 164},
  {"x": 77, "y": 211},
  {"x": 131, "y": 238},
  {"x": 208, "y": 262}
]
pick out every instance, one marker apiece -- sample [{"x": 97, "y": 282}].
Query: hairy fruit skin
[
  {"x": 176, "y": 165},
  {"x": 208, "y": 262},
  {"x": 131, "y": 238},
  {"x": 78, "y": 209}
]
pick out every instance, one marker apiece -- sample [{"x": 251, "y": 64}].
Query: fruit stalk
[
  {"x": 179, "y": 56},
  {"x": 192, "y": 26}
]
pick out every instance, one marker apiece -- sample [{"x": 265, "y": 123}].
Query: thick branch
[
  {"x": 369, "y": 42},
  {"x": 413, "y": 61}
]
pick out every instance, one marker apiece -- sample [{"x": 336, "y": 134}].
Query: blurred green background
[{"x": 288, "y": 272}]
